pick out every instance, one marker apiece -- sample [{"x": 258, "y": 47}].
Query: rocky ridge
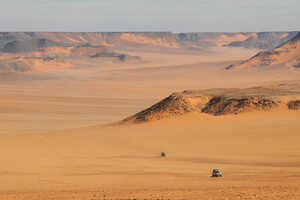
[{"x": 220, "y": 102}]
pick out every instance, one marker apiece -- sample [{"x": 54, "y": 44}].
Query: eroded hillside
[{"x": 221, "y": 102}]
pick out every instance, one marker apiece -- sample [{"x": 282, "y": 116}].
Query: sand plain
[{"x": 53, "y": 144}]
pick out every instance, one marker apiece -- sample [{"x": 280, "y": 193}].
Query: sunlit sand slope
[{"x": 258, "y": 154}]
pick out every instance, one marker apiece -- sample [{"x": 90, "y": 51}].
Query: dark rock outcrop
[{"x": 223, "y": 105}]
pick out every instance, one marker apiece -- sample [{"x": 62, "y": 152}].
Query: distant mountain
[
  {"x": 30, "y": 51},
  {"x": 265, "y": 40},
  {"x": 18, "y": 46},
  {"x": 211, "y": 39},
  {"x": 26, "y": 56},
  {"x": 285, "y": 55},
  {"x": 261, "y": 40},
  {"x": 113, "y": 39},
  {"x": 147, "y": 39}
]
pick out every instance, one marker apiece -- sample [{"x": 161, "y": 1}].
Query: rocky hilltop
[
  {"x": 221, "y": 102},
  {"x": 286, "y": 55}
]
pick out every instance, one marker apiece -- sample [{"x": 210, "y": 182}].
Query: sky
[{"x": 150, "y": 15}]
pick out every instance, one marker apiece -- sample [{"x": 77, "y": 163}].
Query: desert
[
  {"x": 88, "y": 115},
  {"x": 149, "y": 100}
]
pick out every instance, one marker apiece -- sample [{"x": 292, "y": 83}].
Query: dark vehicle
[
  {"x": 163, "y": 154},
  {"x": 216, "y": 173}
]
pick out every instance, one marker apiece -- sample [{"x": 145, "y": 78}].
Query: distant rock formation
[
  {"x": 19, "y": 46},
  {"x": 260, "y": 40},
  {"x": 27, "y": 51},
  {"x": 264, "y": 40},
  {"x": 108, "y": 39},
  {"x": 150, "y": 39},
  {"x": 285, "y": 55},
  {"x": 45, "y": 55}
]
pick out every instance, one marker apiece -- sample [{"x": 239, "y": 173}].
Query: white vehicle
[{"x": 216, "y": 173}]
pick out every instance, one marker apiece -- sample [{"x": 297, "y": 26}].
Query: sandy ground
[
  {"x": 53, "y": 147},
  {"x": 258, "y": 153}
]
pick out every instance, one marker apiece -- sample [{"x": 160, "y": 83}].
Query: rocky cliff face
[{"x": 220, "y": 102}]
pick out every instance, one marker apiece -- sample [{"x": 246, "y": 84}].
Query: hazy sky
[{"x": 149, "y": 15}]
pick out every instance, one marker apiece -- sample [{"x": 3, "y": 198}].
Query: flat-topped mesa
[{"x": 219, "y": 102}]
